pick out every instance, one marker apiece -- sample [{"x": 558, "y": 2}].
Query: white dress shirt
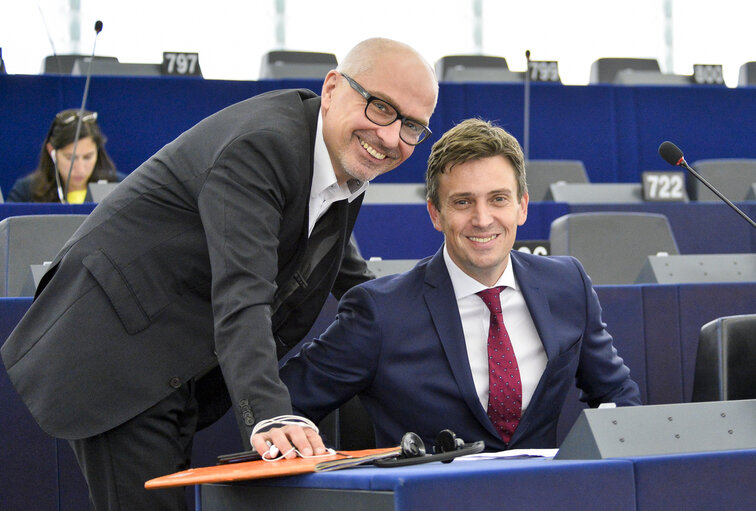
[
  {"x": 531, "y": 356},
  {"x": 325, "y": 188}
]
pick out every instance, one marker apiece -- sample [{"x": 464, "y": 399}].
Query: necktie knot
[{"x": 491, "y": 297}]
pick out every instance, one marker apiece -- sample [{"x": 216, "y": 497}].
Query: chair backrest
[
  {"x": 383, "y": 267},
  {"x": 595, "y": 193},
  {"x": 99, "y": 191},
  {"x": 726, "y": 359},
  {"x": 296, "y": 64},
  {"x": 605, "y": 70},
  {"x": 635, "y": 77},
  {"x": 751, "y": 195},
  {"x": 475, "y": 68},
  {"x": 395, "y": 193},
  {"x": 747, "y": 74},
  {"x": 115, "y": 68},
  {"x": 731, "y": 176},
  {"x": 542, "y": 173},
  {"x": 64, "y": 64},
  {"x": 31, "y": 240},
  {"x": 612, "y": 246}
]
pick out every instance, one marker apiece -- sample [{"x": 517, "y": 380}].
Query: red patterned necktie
[{"x": 505, "y": 389}]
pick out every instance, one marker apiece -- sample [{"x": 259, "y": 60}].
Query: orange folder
[{"x": 253, "y": 469}]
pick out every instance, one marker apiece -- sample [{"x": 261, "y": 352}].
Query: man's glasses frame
[{"x": 412, "y": 132}]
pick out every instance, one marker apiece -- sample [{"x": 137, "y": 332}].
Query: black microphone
[
  {"x": 674, "y": 156},
  {"x": 63, "y": 196}
]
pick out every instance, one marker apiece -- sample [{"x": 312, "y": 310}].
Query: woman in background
[{"x": 51, "y": 179}]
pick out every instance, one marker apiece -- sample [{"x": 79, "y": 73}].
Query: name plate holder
[{"x": 661, "y": 429}]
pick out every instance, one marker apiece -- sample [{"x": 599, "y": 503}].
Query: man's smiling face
[
  {"x": 358, "y": 147},
  {"x": 479, "y": 214}
]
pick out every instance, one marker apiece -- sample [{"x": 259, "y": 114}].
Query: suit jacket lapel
[
  {"x": 540, "y": 312},
  {"x": 442, "y": 305},
  {"x": 537, "y": 302}
]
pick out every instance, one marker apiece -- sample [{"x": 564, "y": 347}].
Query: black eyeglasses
[
  {"x": 383, "y": 113},
  {"x": 64, "y": 118}
]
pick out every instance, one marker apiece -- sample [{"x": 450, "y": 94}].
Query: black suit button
[
  {"x": 249, "y": 419},
  {"x": 175, "y": 382}
]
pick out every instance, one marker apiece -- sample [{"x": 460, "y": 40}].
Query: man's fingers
[
  {"x": 280, "y": 438},
  {"x": 315, "y": 441},
  {"x": 298, "y": 436},
  {"x": 306, "y": 441}
]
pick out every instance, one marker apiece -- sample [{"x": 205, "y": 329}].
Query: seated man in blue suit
[{"x": 478, "y": 338}]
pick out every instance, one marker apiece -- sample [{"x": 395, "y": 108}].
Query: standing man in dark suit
[
  {"x": 170, "y": 302},
  {"x": 479, "y": 339}
]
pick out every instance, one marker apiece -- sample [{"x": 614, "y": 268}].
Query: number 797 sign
[{"x": 181, "y": 64}]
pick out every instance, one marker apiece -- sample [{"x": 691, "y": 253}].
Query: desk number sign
[
  {"x": 543, "y": 71},
  {"x": 708, "y": 74},
  {"x": 181, "y": 64},
  {"x": 662, "y": 186}
]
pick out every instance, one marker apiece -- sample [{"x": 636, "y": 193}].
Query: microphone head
[
  {"x": 671, "y": 153},
  {"x": 98, "y": 26}
]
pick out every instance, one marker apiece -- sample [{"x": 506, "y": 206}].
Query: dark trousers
[{"x": 154, "y": 443}]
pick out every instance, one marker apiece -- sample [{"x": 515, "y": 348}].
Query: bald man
[{"x": 177, "y": 295}]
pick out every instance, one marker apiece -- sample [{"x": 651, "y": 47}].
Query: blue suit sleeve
[
  {"x": 602, "y": 375},
  {"x": 339, "y": 364}
]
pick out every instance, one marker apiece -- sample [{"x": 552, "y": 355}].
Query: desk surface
[
  {"x": 697, "y": 481},
  {"x": 479, "y": 485}
]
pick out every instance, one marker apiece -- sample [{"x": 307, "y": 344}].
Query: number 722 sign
[
  {"x": 181, "y": 64},
  {"x": 664, "y": 186}
]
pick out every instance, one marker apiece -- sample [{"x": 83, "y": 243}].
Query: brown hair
[
  {"x": 62, "y": 133},
  {"x": 470, "y": 140}
]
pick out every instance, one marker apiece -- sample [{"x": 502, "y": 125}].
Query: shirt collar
[
  {"x": 324, "y": 178},
  {"x": 464, "y": 285}
]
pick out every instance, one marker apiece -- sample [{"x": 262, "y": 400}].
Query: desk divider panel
[{"x": 661, "y": 429}]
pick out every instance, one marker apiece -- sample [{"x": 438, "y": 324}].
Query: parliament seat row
[
  {"x": 616, "y": 248},
  {"x": 568, "y": 181},
  {"x": 282, "y": 64}
]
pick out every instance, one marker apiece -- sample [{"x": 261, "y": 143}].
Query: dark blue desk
[
  {"x": 693, "y": 482},
  {"x": 655, "y": 328},
  {"x": 405, "y": 231},
  {"x": 696, "y": 481},
  {"x": 614, "y": 129},
  {"x": 533, "y": 484}
]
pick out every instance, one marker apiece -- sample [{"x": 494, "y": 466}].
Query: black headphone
[{"x": 446, "y": 448}]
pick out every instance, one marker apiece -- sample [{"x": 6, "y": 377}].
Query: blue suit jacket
[{"x": 398, "y": 343}]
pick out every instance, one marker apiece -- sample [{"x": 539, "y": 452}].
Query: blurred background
[{"x": 232, "y": 35}]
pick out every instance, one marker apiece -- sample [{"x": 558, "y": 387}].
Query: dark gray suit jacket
[{"x": 197, "y": 265}]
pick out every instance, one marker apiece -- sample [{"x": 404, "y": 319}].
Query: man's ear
[
  {"x": 435, "y": 216},
  {"x": 523, "y": 209},
  {"x": 329, "y": 84}
]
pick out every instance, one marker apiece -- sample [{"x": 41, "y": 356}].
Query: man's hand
[{"x": 306, "y": 440}]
